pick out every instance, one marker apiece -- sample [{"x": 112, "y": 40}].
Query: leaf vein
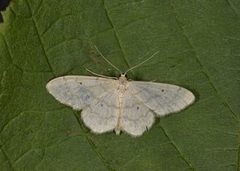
[
  {"x": 93, "y": 146},
  {"x": 8, "y": 159},
  {"x": 115, "y": 33},
  {"x": 53, "y": 23},
  {"x": 11, "y": 120},
  {"x": 40, "y": 40},
  {"x": 204, "y": 70},
  {"x": 232, "y": 7},
  {"x": 177, "y": 149}
]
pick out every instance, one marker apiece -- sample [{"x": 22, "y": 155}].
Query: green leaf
[{"x": 199, "y": 49}]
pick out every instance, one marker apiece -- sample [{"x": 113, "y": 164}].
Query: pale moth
[{"x": 118, "y": 104}]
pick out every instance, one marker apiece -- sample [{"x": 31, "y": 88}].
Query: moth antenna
[
  {"x": 99, "y": 75},
  {"x": 141, "y": 63},
  {"x": 108, "y": 60}
]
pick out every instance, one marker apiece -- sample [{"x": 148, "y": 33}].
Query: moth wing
[
  {"x": 102, "y": 113},
  {"x": 162, "y": 98},
  {"x": 136, "y": 117},
  {"x": 78, "y": 91}
]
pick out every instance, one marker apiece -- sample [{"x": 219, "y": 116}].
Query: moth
[{"x": 119, "y": 104}]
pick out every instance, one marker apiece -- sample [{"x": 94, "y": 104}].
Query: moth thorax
[
  {"x": 122, "y": 80},
  {"x": 122, "y": 84}
]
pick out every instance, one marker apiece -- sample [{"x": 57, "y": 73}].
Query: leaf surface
[{"x": 199, "y": 49}]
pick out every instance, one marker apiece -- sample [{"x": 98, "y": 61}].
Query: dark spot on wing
[
  {"x": 101, "y": 105},
  {"x": 137, "y": 107},
  {"x": 87, "y": 97},
  {"x": 84, "y": 95},
  {"x": 162, "y": 90}
]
